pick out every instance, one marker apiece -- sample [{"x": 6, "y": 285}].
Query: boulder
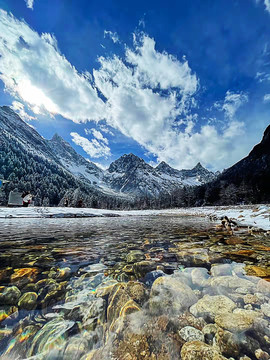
[
  {"x": 238, "y": 321},
  {"x": 10, "y": 295},
  {"x": 211, "y": 306},
  {"x": 169, "y": 294},
  {"x": 28, "y": 301}
]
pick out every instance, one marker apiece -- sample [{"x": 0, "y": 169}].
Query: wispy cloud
[
  {"x": 232, "y": 102},
  {"x": 18, "y": 107},
  {"x": 94, "y": 148},
  {"x": 266, "y": 98},
  {"x": 97, "y": 134},
  {"x": 112, "y": 35},
  {"x": 30, "y": 4}
]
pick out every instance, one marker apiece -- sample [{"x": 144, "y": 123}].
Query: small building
[
  {"x": 15, "y": 199},
  {"x": 20, "y": 199}
]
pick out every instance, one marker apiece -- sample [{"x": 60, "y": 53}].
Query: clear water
[{"x": 65, "y": 273}]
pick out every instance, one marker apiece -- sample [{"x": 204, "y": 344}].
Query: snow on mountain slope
[
  {"x": 127, "y": 176},
  {"x": 133, "y": 175},
  {"x": 74, "y": 162}
]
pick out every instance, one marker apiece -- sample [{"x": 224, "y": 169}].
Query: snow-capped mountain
[
  {"x": 129, "y": 176},
  {"x": 15, "y": 128},
  {"x": 74, "y": 162}
]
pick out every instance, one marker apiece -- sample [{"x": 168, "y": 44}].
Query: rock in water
[
  {"x": 197, "y": 350},
  {"x": 10, "y": 296},
  {"x": 28, "y": 301},
  {"x": 238, "y": 321},
  {"x": 169, "y": 294},
  {"x": 211, "y": 306},
  {"x": 189, "y": 333}
]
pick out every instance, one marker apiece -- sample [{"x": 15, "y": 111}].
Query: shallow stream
[{"x": 146, "y": 287}]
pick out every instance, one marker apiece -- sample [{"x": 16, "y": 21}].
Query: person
[
  {"x": 66, "y": 202},
  {"x": 27, "y": 197}
]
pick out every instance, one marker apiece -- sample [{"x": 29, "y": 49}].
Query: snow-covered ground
[{"x": 254, "y": 215}]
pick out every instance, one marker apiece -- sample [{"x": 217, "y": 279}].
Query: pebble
[
  {"x": 266, "y": 309},
  {"x": 189, "y": 333}
]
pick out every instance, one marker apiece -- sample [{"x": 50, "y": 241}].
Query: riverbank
[{"x": 248, "y": 215}]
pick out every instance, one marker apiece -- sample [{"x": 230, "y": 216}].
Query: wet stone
[
  {"x": 266, "y": 309},
  {"x": 263, "y": 286},
  {"x": 197, "y": 350},
  {"x": 238, "y": 321},
  {"x": 189, "y": 333},
  {"x": 135, "y": 256},
  {"x": 211, "y": 306},
  {"x": 221, "y": 270},
  {"x": 169, "y": 294},
  {"x": 28, "y": 301},
  {"x": 10, "y": 295}
]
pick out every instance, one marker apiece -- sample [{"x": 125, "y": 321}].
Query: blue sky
[{"x": 181, "y": 81}]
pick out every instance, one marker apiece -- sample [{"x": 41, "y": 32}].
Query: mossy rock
[
  {"x": 10, "y": 295},
  {"x": 28, "y": 301}
]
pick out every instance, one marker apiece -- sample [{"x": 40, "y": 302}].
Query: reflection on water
[{"x": 132, "y": 288}]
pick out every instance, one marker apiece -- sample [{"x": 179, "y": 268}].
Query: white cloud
[
  {"x": 93, "y": 148},
  {"x": 30, "y": 4},
  {"x": 266, "y": 4},
  {"x": 147, "y": 94},
  {"x": 18, "y": 107},
  {"x": 97, "y": 134},
  {"x": 266, "y": 98},
  {"x": 32, "y": 68},
  {"x": 106, "y": 130},
  {"x": 112, "y": 35},
  {"x": 231, "y": 103}
]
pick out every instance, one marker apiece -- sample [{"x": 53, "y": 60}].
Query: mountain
[
  {"x": 53, "y": 170},
  {"x": 131, "y": 174},
  {"x": 74, "y": 162},
  {"x": 245, "y": 182},
  {"x": 198, "y": 174},
  {"x": 32, "y": 163}
]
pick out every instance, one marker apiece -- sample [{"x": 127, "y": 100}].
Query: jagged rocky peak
[
  {"x": 57, "y": 138},
  {"x": 199, "y": 166},
  {"x": 128, "y": 162},
  {"x": 164, "y": 168}
]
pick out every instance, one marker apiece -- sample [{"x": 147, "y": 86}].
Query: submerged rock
[
  {"x": 238, "y": 321},
  {"x": 10, "y": 296},
  {"x": 22, "y": 277},
  {"x": 189, "y": 333},
  {"x": 135, "y": 256},
  {"x": 232, "y": 283},
  {"x": 52, "y": 335},
  {"x": 266, "y": 309},
  {"x": 263, "y": 286},
  {"x": 169, "y": 294},
  {"x": 28, "y": 301},
  {"x": 197, "y": 350},
  {"x": 211, "y": 306}
]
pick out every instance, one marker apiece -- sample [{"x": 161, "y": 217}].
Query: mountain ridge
[{"x": 127, "y": 177}]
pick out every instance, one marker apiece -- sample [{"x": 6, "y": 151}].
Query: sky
[{"x": 177, "y": 81}]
